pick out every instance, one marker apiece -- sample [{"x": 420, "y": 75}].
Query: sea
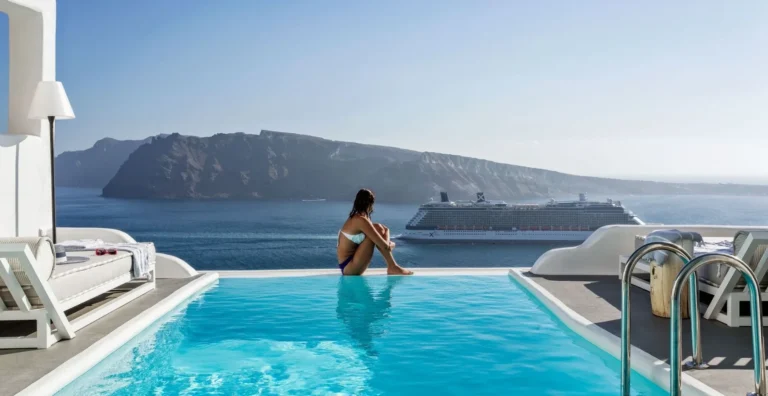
[{"x": 249, "y": 235}]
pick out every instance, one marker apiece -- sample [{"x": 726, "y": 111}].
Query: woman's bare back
[{"x": 345, "y": 247}]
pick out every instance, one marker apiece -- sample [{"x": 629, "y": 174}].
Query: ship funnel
[
  {"x": 444, "y": 197},
  {"x": 480, "y": 197},
  {"x": 582, "y": 197}
]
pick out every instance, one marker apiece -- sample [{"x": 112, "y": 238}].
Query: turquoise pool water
[{"x": 454, "y": 335}]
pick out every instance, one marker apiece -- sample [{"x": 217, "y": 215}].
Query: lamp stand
[{"x": 51, "y": 120}]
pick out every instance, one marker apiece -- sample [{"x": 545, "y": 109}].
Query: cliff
[
  {"x": 94, "y": 167},
  {"x": 269, "y": 165},
  {"x": 276, "y": 165}
]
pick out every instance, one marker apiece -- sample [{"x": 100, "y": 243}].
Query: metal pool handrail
[
  {"x": 756, "y": 305},
  {"x": 626, "y": 278}
]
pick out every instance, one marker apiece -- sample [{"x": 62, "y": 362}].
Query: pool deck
[
  {"x": 727, "y": 350},
  {"x": 20, "y": 368}
]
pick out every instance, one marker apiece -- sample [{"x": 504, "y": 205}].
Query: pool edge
[
  {"x": 79, "y": 364},
  {"x": 657, "y": 371},
  {"x": 430, "y": 271}
]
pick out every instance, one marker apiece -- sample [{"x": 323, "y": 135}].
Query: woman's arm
[{"x": 367, "y": 227}]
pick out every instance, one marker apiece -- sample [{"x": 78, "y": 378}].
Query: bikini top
[{"x": 355, "y": 238}]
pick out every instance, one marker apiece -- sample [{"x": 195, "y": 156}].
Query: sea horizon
[{"x": 260, "y": 234}]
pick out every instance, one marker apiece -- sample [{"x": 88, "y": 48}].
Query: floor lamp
[{"x": 50, "y": 102}]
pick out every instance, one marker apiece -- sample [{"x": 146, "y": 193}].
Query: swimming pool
[{"x": 449, "y": 335}]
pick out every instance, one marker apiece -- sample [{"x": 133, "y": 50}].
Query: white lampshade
[{"x": 50, "y": 100}]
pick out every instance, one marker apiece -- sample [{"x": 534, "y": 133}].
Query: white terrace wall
[
  {"x": 599, "y": 254},
  {"x": 25, "y": 195}
]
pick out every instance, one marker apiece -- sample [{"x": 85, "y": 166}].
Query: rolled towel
[
  {"x": 673, "y": 236},
  {"x": 61, "y": 254}
]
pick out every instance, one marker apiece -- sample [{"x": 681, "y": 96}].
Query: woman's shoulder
[{"x": 357, "y": 219}]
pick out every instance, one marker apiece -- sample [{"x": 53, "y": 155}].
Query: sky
[{"x": 654, "y": 89}]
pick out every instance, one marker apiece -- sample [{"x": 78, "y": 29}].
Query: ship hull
[{"x": 495, "y": 236}]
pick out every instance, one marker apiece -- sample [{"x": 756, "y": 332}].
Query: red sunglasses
[{"x": 101, "y": 252}]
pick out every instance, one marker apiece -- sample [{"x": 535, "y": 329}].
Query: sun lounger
[
  {"x": 34, "y": 288},
  {"x": 727, "y": 286}
]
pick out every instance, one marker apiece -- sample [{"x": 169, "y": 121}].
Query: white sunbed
[{"x": 34, "y": 288}]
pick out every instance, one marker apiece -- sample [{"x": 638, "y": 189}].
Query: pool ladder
[{"x": 688, "y": 273}]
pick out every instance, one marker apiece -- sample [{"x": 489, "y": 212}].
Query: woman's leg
[
  {"x": 392, "y": 267},
  {"x": 383, "y": 230},
  {"x": 361, "y": 259}
]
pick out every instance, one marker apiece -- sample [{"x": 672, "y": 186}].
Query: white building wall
[{"x": 25, "y": 185}]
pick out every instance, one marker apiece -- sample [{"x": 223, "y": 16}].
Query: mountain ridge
[{"x": 281, "y": 165}]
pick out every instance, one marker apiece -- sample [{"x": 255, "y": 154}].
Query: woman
[{"x": 359, "y": 235}]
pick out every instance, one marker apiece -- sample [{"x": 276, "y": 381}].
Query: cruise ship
[{"x": 487, "y": 220}]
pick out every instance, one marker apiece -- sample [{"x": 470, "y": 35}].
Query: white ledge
[
  {"x": 370, "y": 272},
  {"x": 599, "y": 254}
]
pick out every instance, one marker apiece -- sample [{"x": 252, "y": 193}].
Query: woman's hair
[{"x": 363, "y": 203}]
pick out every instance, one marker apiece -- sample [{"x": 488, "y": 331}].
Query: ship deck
[{"x": 727, "y": 350}]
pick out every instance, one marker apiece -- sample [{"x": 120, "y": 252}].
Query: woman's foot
[{"x": 398, "y": 270}]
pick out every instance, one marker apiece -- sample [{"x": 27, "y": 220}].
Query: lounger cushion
[
  {"x": 738, "y": 242},
  {"x": 71, "y": 280},
  {"x": 715, "y": 274}
]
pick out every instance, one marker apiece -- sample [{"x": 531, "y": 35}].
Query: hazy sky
[{"x": 606, "y": 88}]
